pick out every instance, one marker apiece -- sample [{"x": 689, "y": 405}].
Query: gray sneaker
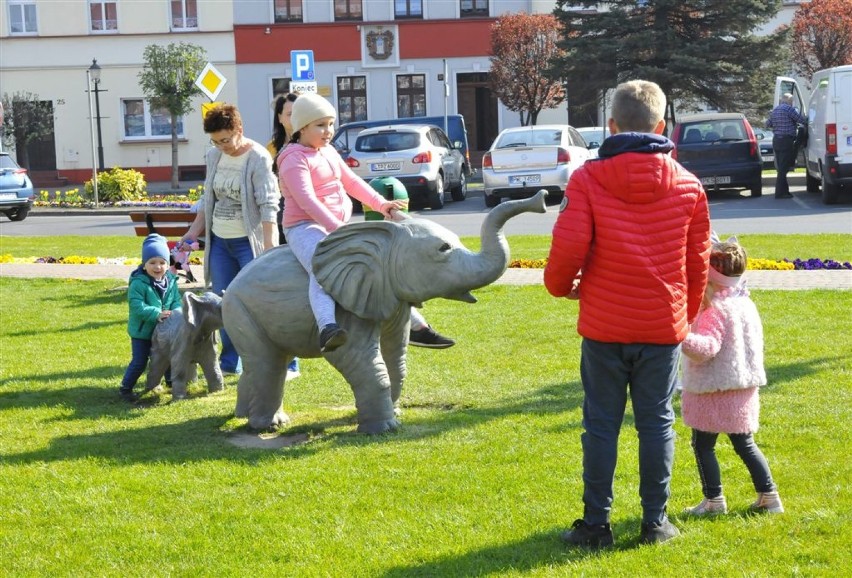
[
  {"x": 768, "y": 502},
  {"x": 656, "y": 532}
]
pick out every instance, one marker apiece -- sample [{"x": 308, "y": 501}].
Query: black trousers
[
  {"x": 704, "y": 444},
  {"x": 785, "y": 158}
]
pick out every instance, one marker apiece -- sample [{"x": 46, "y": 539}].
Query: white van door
[
  {"x": 842, "y": 99},
  {"x": 784, "y": 84}
]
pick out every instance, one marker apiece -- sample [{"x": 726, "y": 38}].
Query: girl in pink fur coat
[{"x": 722, "y": 371}]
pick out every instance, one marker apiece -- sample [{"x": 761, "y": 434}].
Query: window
[
  {"x": 280, "y": 87},
  {"x": 288, "y": 10},
  {"x": 408, "y": 8},
  {"x": 22, "y": 17},
  {"x": 184, "y": 15},
  {"x": 347, "y": 10},
  {"x": 351, "y": 98},
  {"x": 103, "y": 15},
  {"x": 410, "y": 95},
  {"x": 474, "y": 8},
  {"x": 141, "y": 122}
]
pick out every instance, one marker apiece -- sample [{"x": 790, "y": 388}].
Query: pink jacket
[
  {"x": 315, "y": 183},
  {"x": 724, "y": 350}
]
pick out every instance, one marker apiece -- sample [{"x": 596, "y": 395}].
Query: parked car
[
  {"x": 764, "y": 141},
  {"x": 345, "y": 135},
  {"x": 594, "y": 135},
  {"x": 525, "y": 159},
  {"x": 721, "y": 150},
  {"x": 829, "y": 147},
  {"x": 16, "y": 189},
  {"x": 420, "y": 156}
]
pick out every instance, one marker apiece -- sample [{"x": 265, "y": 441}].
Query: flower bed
[
  {"x": 753, "y": 264},
  {"x": 72, "y": 199}
]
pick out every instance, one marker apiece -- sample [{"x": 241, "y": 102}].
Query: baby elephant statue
[
  {"x": 187, "y": 337},
  {"x": 375, "y": 271}
]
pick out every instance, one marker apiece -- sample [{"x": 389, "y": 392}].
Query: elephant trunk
[{"x": 493, "y": 259}]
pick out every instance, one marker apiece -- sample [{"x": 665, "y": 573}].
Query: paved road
[{"x": 731, "y": 213}]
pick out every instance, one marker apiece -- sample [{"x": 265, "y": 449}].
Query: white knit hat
[{"x": 308, "y": 108}]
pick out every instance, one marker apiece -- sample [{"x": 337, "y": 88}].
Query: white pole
[
  {"x": 92, "y": 132},
  {"x": 446, "y": 98}
]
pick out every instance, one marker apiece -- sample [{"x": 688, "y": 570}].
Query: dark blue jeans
[
  {"x": 704, "y": 444},
  {"x": 608, "y": 371},
  {"x": 785, "y": 159},
  {"x": 140, "y": 351},
  {"x": 227, "y": 258}
]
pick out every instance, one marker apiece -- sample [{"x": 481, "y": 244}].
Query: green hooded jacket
[{"x": 145, "y": 303}]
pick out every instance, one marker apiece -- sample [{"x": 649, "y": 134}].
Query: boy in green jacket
[{"x": 152, "y": 295}]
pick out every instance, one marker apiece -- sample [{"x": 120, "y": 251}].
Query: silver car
[
  {"x": 420, "y": 156},
  {"x": 526, "y": 159}
]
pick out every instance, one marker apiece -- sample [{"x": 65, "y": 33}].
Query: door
[{"x": 784, "y": 85}]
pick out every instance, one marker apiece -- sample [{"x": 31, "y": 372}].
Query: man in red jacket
[{"x": 637, "y": 225}]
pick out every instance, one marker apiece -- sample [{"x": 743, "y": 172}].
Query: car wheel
[
  {"x": 491, "y": 201},
  {"x": 19, "y": 214},
  {"x": 829, "y": 192},
  {"x": 757, "y": 189},
  {"x": 459, "y": 192},
  {"x": 436, "y": 199},
  {"x": 811, "y": 183}
]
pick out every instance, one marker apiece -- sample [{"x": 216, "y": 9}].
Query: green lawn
[{"x": 483, "y": 475}]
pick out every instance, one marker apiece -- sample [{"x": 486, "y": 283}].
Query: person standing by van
[{"x": 784, "y": 120}]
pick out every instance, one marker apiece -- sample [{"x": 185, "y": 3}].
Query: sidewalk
[{"x": 782, "y": 280}]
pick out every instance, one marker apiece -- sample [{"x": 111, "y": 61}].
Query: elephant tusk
[{"x": 466, "y": 297}]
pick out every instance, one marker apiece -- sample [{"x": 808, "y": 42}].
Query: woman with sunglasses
[{"x": 238, "y": 211}]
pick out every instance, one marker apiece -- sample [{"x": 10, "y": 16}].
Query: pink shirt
[{"x": 316, "y": 183}]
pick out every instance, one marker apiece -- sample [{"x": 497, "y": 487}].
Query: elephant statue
[
  {"x": 375, "y": 271},
  {"x": 186, "y": 338}
]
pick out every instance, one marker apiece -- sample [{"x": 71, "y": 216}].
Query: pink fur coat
[{"x": 723, "y": 365}]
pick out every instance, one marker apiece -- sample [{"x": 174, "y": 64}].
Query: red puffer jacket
[{"x": 638, "y": 225}]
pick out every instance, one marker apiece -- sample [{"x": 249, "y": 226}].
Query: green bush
[{"x": 118, "y": 184}]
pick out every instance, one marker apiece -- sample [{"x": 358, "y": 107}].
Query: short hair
[
  {"x": 638, "y": 106},
  {"x": 222, "y": 117},
  {"x": 728, "y": 258},
  {"x": 787, "y": 98}
]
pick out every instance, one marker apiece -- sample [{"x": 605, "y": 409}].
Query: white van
[{"x": 829, "y": 149}]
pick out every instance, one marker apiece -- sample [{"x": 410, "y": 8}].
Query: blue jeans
[
  {"x": 140, "y": 351},
  {"x": 703, "y": 445},
  {"x": 607, "y": 370},
  {"x": 227, "y": 258}
]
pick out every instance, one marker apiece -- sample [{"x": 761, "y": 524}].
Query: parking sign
[{"x": 302, "y": 63}]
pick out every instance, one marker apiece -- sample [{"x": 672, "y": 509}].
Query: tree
[
  {"x": 168, "y": 82},
  {"x": 522, "y": 46},
  {"x": 822, "y": 35},
  {"x": 26, "y": 119},
  {"x": 700, "y": 52}
]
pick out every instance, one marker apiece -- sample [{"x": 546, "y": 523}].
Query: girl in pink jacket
[
  {"x": 722, "y": 370},
  {"x": 316, "y": 183}
]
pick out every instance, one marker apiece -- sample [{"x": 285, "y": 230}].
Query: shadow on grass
[
  {"x": 542, "y": 549},
  {"x": 91, "y": 325},
  {"x": 204, "y": 439},
  {"x": 49, "y": 397},
  {"x": 778, "y": 374}
]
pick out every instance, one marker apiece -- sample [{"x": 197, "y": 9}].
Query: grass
[
  {"x": 828, "y": 246},
  {"x": 483, "y": 475}
]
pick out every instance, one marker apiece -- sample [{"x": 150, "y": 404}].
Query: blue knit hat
[{"x": 155, "y": 246}]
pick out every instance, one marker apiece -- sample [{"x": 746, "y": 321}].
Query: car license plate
[
  {"x": 8, "y": 196},
  {"x": 378, "y": 167},
  {"x": 715, "y": 180},
  {"x": 521, "y": 179},
  {"x": 768, "y": 158}
]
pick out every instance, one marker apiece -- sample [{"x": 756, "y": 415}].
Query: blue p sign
[{"x": 302, "y": 62}]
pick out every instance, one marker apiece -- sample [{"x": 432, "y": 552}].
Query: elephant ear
[
  {"x": 190, "y": 300},
  {"x": 351, "y": 265}
]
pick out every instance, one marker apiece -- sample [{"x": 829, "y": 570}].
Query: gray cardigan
[{"x": 259, "y": 197}]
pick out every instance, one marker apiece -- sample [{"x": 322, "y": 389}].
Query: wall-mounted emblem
[{"x": 379, "y": 46}]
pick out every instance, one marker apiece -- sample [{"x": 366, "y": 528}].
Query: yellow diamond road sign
[{"x": 210, "y": 81}]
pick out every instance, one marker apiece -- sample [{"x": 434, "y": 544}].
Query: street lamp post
[
  {"x": 95, "y": 74},
  {"x": 92, "y": 131}
]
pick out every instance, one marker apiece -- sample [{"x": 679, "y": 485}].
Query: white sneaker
[
  {"x": 768, "y": 502},
  {"x": 292, "y": 375},
  {"x": 709, "y": 507}
]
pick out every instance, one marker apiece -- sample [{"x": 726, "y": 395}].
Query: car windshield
[
  {"x": 532, "y": 137},
  {"x": 387, "y": 142},
  {"x": 721, "y": 130}
]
